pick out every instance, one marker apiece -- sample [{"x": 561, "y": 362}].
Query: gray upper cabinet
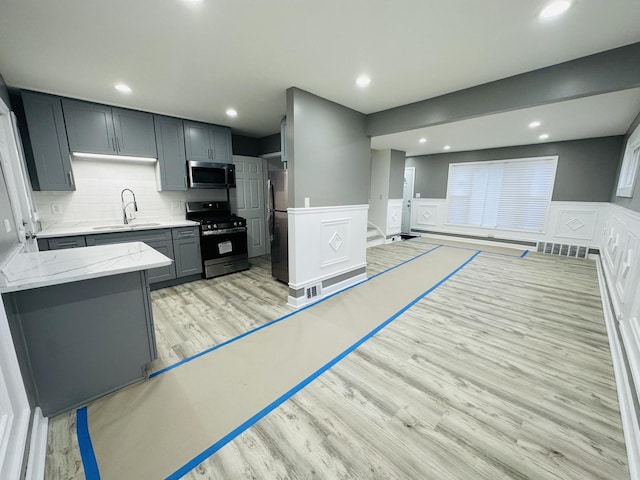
[
  {"x": 94, "y": 128},
  {"x": 45, "y": 143},
  {"x": 134, "y": 133},
  {"x": 172, "y": 171},
  {"x": 207, "y": 143}
]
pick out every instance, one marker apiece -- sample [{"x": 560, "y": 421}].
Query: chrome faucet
[{"x": 125, "y": 205}]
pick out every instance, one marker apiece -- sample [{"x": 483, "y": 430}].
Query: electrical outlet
[
  {"x": 7, "y": 225},
  {"x": 56, "y": 209},
  {"x": 307, "y": 202},
  {"x": 176, "y": 206},
  {"x": 417, "y": 195}
]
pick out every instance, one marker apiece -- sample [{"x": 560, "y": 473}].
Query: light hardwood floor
[{"x": 502, "y": 372}]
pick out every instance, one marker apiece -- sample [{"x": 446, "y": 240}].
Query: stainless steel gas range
[{"x": 223, "y": 237}]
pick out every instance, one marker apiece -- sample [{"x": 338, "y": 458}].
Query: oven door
[
  {"x": 224, "y": 252},
  {"x": 207, "y": 175}
]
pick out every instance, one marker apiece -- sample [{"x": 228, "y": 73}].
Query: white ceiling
[
  {"x": 596, "y": 116},
  {"x": 196, "y": 60}
]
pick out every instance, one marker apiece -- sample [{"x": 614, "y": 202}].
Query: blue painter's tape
[
  {"x": 524, "y": 254},
  {"x": 234, "y": 339},
  {"x": 237, "y": 431},
  {"x": 87, "y": 454}
]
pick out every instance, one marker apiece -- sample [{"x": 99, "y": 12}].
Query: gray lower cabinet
[
  {"x": 66, "y": 242},
  {"x": 81, "y": 340},
  {"x": 45, "y": 142},
  {"x": 158, "y": 239},
  {"x": 95, "y": 128},
  {"x": 186, "y": 250},
  {"x": 172, "y": 164},
  {"x": 207, "y": 143}
]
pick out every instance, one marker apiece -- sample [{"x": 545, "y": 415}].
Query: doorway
[
  {"x": 250, "y": 190},
  {"x": 407, "y": 196}
]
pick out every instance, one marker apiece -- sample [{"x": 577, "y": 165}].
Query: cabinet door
[
  {"x": 186, "y": 249},
  {"x": 172, "y": 164},
  {"x": 48, "y": 158},
  {"x": 197, "y": 142},
  {"x": 220, "y": 138},
  {"x": 161, "y": 274},
  {"x": 89, "y": 127},
  {"x": 59, "y": 243},
  {"x": 134, "y": 133}
]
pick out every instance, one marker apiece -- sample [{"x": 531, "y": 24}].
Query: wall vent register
[{"x": 562, "y": 249}]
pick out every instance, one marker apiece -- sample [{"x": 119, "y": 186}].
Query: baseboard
[
  {"x": 297, "y": 302},
  {"x": 624, "y": 386},
  {"x": 38, "y": 446}
]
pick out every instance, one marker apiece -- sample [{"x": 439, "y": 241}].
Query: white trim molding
[
  {"x": 326, "y": 243},
  {"x": 568, "y": 222},
  {"x": 38, "y": 446},
  {"x": 394, "y": 216}
]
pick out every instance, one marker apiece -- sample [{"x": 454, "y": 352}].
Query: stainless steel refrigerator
[{"x": 278, "y": 224}]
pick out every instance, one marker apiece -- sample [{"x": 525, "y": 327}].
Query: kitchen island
[{"x": 81, "y": 320}]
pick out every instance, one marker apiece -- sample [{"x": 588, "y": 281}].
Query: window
[
  {"x": 630, "y": 164},
  {"x": 503, "y": 194}
]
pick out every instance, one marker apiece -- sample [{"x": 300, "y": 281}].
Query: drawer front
[
  {"x": 185, "y": 232},
  {"x": 122, "y": 237},
  {"x": 59, "y": 243}
]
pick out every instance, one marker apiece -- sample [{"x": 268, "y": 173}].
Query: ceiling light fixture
[
  {"x": 423, "y": 140},
  {"x": 544, "y": 136},
  {"x": 231, "y": 112},
  {"x": 535, "y": 124},
  {"x": 554, "y": 9},
  {"x": 122, "y": 87},
  {"x": 447, "y": 147},
  {"x": 363, "y": 81}
]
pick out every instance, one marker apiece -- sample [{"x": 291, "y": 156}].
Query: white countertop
[
  {"x": 40, "y": 269},
  {"x": 64, "y": 229}
]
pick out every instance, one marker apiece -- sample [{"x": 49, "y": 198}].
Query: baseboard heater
[{"x": 562, "y": 249}]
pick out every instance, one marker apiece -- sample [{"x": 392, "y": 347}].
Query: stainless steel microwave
[{"x": 211, "y": 175}]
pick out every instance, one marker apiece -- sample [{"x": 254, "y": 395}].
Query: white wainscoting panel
[
  {"x": 579, "y": 223},
  {"x": 325, "y": 242},
  {"x": 620, "y": 252},
  {"x": 394, "y": 216}
]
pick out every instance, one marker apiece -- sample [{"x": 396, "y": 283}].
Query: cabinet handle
[
  {"x": 70, "y": 175},
  {"x": 210, "y": 154},
  {"x": 67, "y": 244},
  {"x": 113, "y": 144},
  {"x": 117, "y": 144}
]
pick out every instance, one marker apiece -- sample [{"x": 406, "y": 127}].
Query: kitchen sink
[{"x": 110, "y": 227}]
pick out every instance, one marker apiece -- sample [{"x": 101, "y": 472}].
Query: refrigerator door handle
[{"x": 270, "y": 215}]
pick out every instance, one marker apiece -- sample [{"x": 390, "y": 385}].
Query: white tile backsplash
[{"x": 97, "y": 195}]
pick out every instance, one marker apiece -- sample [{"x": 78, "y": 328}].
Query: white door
[
  {"x": 14, "y": 406},
  {"x": 407, "y": 196},
  {"x": 250, "y": 190}
]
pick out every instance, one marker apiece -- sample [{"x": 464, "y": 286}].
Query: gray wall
[
  {"x": 328, "y": 152},
  {"x": 243, "y": 145},
  {"x": 609, "y": 71},
  {"x": 270, "y": 144},
  {"x": 586, "y": 168},
  {"x": 632, "y": 203}
]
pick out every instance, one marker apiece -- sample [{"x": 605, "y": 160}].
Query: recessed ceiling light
[
  {"x": 535, "y": 124},
  {"x": 122, "y": 87},
  {"x": 231, "y": 112},
  {"x": 423, "y": 140},
  {"x": 363, "y": 81},
  {"x": 554, "y": 9},
  {"x": 544, "y": 136},
  {"x": 447, "y": 147}
]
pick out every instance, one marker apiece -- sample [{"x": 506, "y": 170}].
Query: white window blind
[
  {"x": 504, "y": 194},
  {"x": 630, "y": 165}
]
